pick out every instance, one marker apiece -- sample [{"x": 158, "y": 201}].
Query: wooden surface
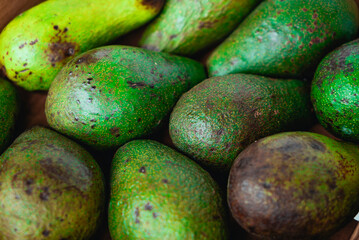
[{"x": 33, "y": 113}]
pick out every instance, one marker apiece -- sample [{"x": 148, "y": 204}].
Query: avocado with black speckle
[
  {"x": 158, "y": 193},
  {"x": 215, "y": 120},
  {"x": 35, "y": 45},
  {"x": 50, "y": 188},
  {"x": 111, "y": 95},
  {"x": 335, "y": 92},
  {"x": 295, "y": 185},
  {"x": 286, "y": 38},
  {"x": 9, "y": 111},
  {"x": 186, "y": 27}
]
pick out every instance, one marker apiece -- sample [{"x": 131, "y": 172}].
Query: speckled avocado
[
  {"x": 286, "y": 38},
  {"x": 295, "y": 185},
  {"x": 9, "y": 110},
  {"x": 335, "y": 92},
  {"x": 37, "y": 43},
  {"x": 221, "y": 116},
  {"x": 158, "y": 193},
  {"x": 110, "y": 95},
  {"x": 51, "y": 188},
  {"x": 186, "y": 27}
]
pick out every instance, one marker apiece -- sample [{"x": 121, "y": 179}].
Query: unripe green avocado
[
  {"x": 50, "y": 188},
  {"x": 295, "y": 185},
  {"x": 37, "y": 43},
  {"x": 221, "y": 116},
  {"x": 186, "y": 27},
  {"x": 286, "y": 38},
  {"x": 110, "y": 95},
  {"x": 9, "y": 110},
  {"x": 158, "y": 193},
  {"x": 335, "y": 92}
]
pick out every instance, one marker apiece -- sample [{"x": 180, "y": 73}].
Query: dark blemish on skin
[
  {"x": 65, "y": 30},
  {"x": 173, "y": 36},
  {"x": 139, "y": 119},
  {"x": 165, "y": 180},
  {"x": 33, "y": 42},
  {"x": 316, "y": 145},
  {"x": 86, "y": 59},
  {"x": 44, "y": 195},
  {"x": 136, "y": 85},
  {"x": 155, "y": 4},
  {"x": 267, "y": 185},
  {"x": 115, "y": 131},
  {"x": 60, "y": 51},
  {"x": 148, "y": 207},
  {"x": 28, "y": 187},
  {"x": 56, "y": 27},
  {"x": 46, "y": 233},
  {"x": 154, "y": 215},
  {"x": 22, "y": 45},
  {"x": 304, "y": 9},
  {"x": 24, "y": 65},
  {"x": 142, "y": 169}
]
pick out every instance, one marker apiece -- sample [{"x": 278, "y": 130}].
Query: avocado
[
  {"x": 295, "y": 185},
  {"x": 111, "y": 95},
  {"x": 186, "y": 27},
  {"x": 9, "y": 111},
  {"x": 286, "y": 38},
  {"x": 335, "y": 92},
  {"x": 36, "y": 44},
  {"x": 221, "y": 116},
  {"x": 158, "y": 193},
  {"x": 50, "y": 188}
]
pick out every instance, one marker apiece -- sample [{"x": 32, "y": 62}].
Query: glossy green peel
[
  {"x": 158, "y": 193},
  {"x": 9, "y": 110},
  {"x": 285, "y": 38},
  {"x": 110, "y": 95},
  {"x": 335, "y": 91},
  {"x": 186, "y": 27},
  {"x": 51, "y": 188},
  {"x": 295, "y": 185},
  {"x": 37, "y": 43},
  {"x": 218, "y": 118}
]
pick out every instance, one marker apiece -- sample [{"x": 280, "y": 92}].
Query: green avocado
[
  {"x": 186, "y": 27},
  {"x": 221, "y": 116},
  {"x": 110, "y": 95},
  {"x": 9, "y": 111},
  {"x": 286, "y": 38},
  {"x": 158, "y": 193},
  {"x": 295, "y": 185},
  {"x": 37, "y": 43},
  {"x": 335, "y": 92},
  {"x": 50, "y": 188}
]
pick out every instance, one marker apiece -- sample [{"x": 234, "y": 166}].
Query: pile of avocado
[{"x": 203, "y": 127}]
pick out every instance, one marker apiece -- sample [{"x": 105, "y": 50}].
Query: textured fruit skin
[
  {"x": 110, "y": 95},
  {"x": 9, "y": 110},
  {"x": 285, "y": 38},
  {"x": 221, "y": 116},
  {"x": 186, "y": 27},
  {"x": 335, "y": 91},
  {"x": 37, "y": 44},
  {"x": 51, "y": 188},
  {"x": 158, "y": 193},
  {"x": 295, "y": 185}
]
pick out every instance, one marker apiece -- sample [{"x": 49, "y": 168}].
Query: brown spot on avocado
[
  {"x": 86, "y": 59},
  {"x": 155, "y": 4},
  {"x": 44, "y": 195},
  {"x": 136, "y": 84},
  {"x": 60, "y": 51},
  {"x": 115, "y": 131},
  {"x": 46, "y": 233},
  {"x": 148, "y": 207},
  {"x": 142, "y": 169},
  {"x": 33, "y": 42}
]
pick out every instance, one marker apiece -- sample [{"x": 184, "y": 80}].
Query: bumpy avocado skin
[
  {"x": 221, "y": 116},
  {"x": 295, "y": 185},
  {"x": 186, "y": 27},
  {"x": 51, "y": 188},
  {"x": 335, "y": 92},
  {"x": 285, "y": 38},
  {"x": 9, "y": 111},
  {"x": 37, "y": 44},
  {"x": 110, "y": 95},
  {"x": 158, "y": 193}
]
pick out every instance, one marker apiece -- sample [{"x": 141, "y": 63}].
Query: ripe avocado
[
  {"x": 335, "y": 92},
  {"x": 51, "y": 188},
  {"x": 221, "y": 116},
  {"x": 110, "y": 95},
  {"x": 37, "y": 43},
  {"x": 186, "y": 27},
  {"x": 286, "y": 38},
  {"x": 295, "y": 185},
  {"x": 158, "y": 193}
]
